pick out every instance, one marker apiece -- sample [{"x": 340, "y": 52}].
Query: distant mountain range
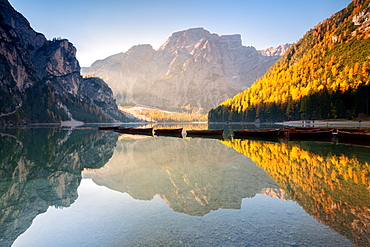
[
  {"x": 193, "y": 70},
  {"x": 326, "y": 74},
  {"x": 40, "y": 80}
]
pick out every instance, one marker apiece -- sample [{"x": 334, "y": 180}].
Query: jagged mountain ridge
[
  {"x": 193, "y": 68},
  {"x": 275, "y": 51},
  {"x": 40, "y": 80}
]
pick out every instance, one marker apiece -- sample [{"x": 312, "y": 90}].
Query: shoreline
[
  {"x": 323, "y": 123},
  {"x": 298, "y": 123}
]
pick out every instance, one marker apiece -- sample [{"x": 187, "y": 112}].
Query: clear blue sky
[{"x": 102, "y": 28}]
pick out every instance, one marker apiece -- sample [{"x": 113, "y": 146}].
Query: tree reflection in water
[
  {"x": 331, "y": 182},
  {"x": 41, "y": 167}
]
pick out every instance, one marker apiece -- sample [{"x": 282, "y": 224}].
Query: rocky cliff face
[
  {"x": 193, "y": 68},
  {"x": 40, "y": 80}
]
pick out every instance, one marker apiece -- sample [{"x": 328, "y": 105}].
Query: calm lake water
[{"x": 82, "y": 187}]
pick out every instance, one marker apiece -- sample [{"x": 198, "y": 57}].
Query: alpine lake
[{"x": 79, "y": 186}]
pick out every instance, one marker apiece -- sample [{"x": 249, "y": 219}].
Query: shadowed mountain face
[
  {"x": 41, "y": 167},
  {"x": 190, "y": 175},
  {"x": 40, "y": 80},
  {"x": 193, "y": 68}
]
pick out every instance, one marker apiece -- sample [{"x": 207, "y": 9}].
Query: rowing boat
[
  {"x": 360, "y": 130},
  {"x": 349, "y": 135},
  {"x": 309, "y": 134},
  {"x": 138, "y": 131}
]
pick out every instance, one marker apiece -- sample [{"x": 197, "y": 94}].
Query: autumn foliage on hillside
[{"x": 324, "y": 75}]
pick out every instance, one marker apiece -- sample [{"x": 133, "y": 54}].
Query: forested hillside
[{"x": 324, "y": 75}]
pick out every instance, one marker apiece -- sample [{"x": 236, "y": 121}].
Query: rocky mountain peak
[
  {"x": 140, "y": 48},
  {"x": 275, "y": 51},
  {"x": 186, "y": 38},
  {"x": 140, "y": 53},
  {"x": 194, "y": 68},
  {"x": 195, "y": 37},
  {"x": 232, "y": 41},
  {"x": 11, "y": 19}
]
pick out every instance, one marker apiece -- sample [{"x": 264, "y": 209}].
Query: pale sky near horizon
[{"x": 99, "y": 29}]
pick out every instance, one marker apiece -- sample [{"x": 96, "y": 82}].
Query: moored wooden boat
[
  {"x": 307, "y": 128},
  {"x": 265, "y": 133},
  {"x": 135, "y": 131},
  {"x": 204, "y": 132},
  {"x": 352, "y": 135},
  {"x": 367, "y": 130},
  {"x": 107, "y": 127},
  {"x": 142, "y": 131},
  {"x": 308, "y": 134},
  {"x": 168, "y": 131},
  {"x": 122, "y": 129}
]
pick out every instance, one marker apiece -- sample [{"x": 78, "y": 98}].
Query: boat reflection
[{"x": 331, "y": 182}]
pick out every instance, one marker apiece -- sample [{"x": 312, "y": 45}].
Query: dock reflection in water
[{"x": 173, "y": 191}]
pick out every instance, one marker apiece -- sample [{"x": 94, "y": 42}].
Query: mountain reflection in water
[
  {"x": 41, "y": 167},
  {"x": 194, "y": 176},
  {"x": 331, "y": 182}
]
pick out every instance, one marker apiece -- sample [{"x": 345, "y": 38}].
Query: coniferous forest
[{"x": 324, "y": 75}]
